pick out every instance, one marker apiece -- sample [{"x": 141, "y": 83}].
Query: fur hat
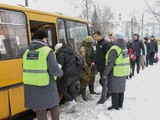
[
  {"x": 118, "y": 36},
  {"x": 58, "y": 46}
]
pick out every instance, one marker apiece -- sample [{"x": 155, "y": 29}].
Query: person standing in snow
[
  {"x": 87, "y": 73},
  {"x": 102, "y": 48},
  {"x": 67, "y": 83},
  {"x": 132, "y": 55},
  {"x": 154, "y": 49},
  {"x": 39, "y": 70},
  {"x": 116, "y": 69},
  {"x": 138, "y": 46},
  {"x": 148, "y": 50}
]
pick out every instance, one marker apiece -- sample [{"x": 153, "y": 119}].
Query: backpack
[{"x": 79, "y": 61}]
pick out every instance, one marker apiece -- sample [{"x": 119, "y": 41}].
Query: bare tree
[
  {"x": 154, "y": 10},
  {"x": 104, "y": 17},
  {"x": 99, "y": 17},
  {"x": 135, "y": 23},
  {"x": 85, "y": 5},
  {"x": 95, "y": 20}
]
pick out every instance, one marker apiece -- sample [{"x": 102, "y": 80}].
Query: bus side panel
[
  {"x": 10, "y": 72},
  {"x": 4, "y": 104},
  {"x": 16, "y": 97}
]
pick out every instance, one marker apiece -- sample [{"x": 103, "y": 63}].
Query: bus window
[
  {"x": 61, "y": 31},
  {"x": 49, "y": 32},
  {"x": 47, "y": 27},
  {"x": 76, "y": 33},
  {"x": 13, "y": 34}
]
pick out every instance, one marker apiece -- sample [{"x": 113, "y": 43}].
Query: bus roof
[{"x": 26, "y": 9}]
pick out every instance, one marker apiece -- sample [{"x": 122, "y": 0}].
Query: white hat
[
  {"x": 118, "y": 36},
  {"x": 58, "y": 46}
]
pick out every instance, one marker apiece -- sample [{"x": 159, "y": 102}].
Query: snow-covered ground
[{"x": 141, "y": 102}]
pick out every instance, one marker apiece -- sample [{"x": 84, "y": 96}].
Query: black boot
[
  {"x": 91, "y": 88},
  {"x": 101, "y": 101},
  {"x": 130, "y": 76},
  {"x": 83, "y": 92},
  {"x": 108, "y": 95},
  {"x": 110, "y": 108}
]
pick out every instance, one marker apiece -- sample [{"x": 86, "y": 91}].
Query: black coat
[
  {"x": 148, "y": 47},
  {"x": 102, "y": 48},
  {"x": 138, "y": 45},
  {"x": 154, "y": 46},
  {"x": 66, "y": 57}
]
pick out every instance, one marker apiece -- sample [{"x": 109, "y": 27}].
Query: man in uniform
[{"x": 87, "y": 73}]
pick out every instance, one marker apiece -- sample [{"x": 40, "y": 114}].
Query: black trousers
[
  {"x": 105, "y": 94},
  {"x": 117, "y": 99},
  {"x": 42, "y": 114},
  {"x": 70, "y": 92},
  {"x": 137, "y": 61},
  {"x": 147, "y": 59},
  {"x": 151, "y": 61}
]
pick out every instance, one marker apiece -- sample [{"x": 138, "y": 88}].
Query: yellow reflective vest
[
  {"x": 122, "y": 63},
  {"x": 35, "y": 67}
]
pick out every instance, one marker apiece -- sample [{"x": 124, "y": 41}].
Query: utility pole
[
  {"x": 26, "y": 3},
  {"x": 87, "y": 11},
  {"x": 153, "y": 28},
  {"x": 131, "y": 27},
  {"x": 142, "y": 24}
]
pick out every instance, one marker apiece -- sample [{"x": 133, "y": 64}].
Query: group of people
[
  {"x": 142, "y": 52},
  {"x": 49, "y": 76}
]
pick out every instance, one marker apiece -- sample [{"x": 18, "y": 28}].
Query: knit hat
[
  {"x": 88, "y": 39},
  {"x": 118, "y": 36},
  {"x": 58, "y": 46}
]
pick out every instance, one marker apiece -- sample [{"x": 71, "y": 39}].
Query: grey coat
[
  {"x": 115, "y": 84},
  {"x": 41, "y": 98}
]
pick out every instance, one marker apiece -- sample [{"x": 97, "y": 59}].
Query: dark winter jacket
[
  {"x": 66, "y": 57},
  {"x": 154, "y": 46},
  {"x": 148, "y": 47},
  {"x": 102, "y": 48},
  {"x": 115, "y": 84},
  {"x": 41, "y": 98},
  {"x": 138, "y": 45}
]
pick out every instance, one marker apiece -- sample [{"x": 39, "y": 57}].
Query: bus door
[{"x": 49, "y": 28}]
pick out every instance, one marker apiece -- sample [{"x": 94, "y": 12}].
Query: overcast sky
[{"x": 125, "y": 7}]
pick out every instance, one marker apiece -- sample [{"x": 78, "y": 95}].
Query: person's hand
[
  {"x": 103, "y": 80},
  {"x": 92, "y": 64},
  {"x": 60, "y": 66}
]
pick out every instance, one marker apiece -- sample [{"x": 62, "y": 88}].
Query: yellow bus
[{"x": 16, "y": 25}]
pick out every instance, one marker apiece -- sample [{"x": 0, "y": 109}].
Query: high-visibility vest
[
  {"x": 35, "y": 67},
  {"x": 122, "y": 64}
]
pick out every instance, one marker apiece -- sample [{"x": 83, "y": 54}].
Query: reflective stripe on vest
[
  {"x": 35, "y": 71},
  {"x": 35, "y": 67},
  {"x": 122, "y": 63}
]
